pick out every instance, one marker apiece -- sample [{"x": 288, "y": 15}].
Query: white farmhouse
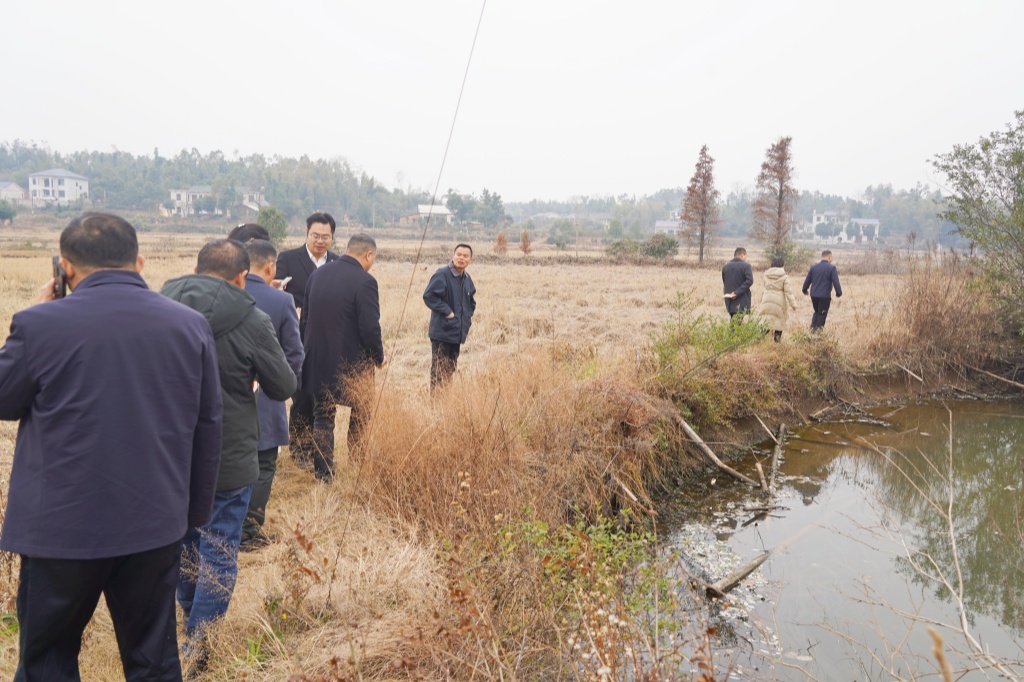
[
  {"x": 57, "y": 186},
  {"x": 13, "y": 193}
]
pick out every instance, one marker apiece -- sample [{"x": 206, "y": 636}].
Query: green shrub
[{"x": 660, "y": 246}]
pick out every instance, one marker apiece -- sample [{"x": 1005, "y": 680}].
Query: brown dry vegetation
[{"x": 441, "y": 551}]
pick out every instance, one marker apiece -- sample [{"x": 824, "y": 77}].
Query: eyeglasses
[{"x": 321, "y": 237}]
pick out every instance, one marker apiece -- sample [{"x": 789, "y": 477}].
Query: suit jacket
[
  {"x": 119, "y": 399},
  {"x": 342, "y": 337},
  {"x": 820, "y": 279},
  {"x": 737, "y": 276},
  {"x": 280, "y": 307},
  {"x": 296, "y": 263}
]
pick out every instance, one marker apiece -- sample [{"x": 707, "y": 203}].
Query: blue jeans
[{"x": 209, "y": 561}]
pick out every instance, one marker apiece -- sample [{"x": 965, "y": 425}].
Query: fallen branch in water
[
  {"x": 775, "y": 458},
  {"x": 732, "y": 580},
  {"x": 709, "y": 453},
  {"x": 996, "y": 376}
]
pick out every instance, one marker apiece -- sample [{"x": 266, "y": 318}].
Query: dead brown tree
[
  {"x": 699, "y": 216},
  {"x": 774, "y": 207}
]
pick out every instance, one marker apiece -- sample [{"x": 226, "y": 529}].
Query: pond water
[{"x": 861, "y": 534}]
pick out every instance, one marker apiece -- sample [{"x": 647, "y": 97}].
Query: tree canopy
[
  {"x": 699, "y": 215},
  {"x": 986, "y": 181}
]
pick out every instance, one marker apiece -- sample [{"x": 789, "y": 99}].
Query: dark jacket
[
  {"x": 342, "y": 336},
  {"x": 247, "y": 350},
  {"x": 447, "y": 292},
  {"x": 820, "y": 279},
  {"x": 280, "y": 307},
  {"x": 296, "y": 263},
  {"x": 119, "y": 400},
  {"x": 737, "y": 277}
]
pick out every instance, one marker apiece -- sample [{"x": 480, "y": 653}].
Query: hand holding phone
[
  {"x": 60, "y": 279},
  {"x": 284, "y": 282}
]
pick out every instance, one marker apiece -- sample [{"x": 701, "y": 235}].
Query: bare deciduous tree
[
  {"x": 774, "y": 208},
  {"x": 699, "y": 216}
]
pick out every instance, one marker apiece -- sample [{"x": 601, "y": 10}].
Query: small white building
[
  {"x": 435, "y": 213},
  {"x": 186, "y": 201},
  {"x": 57, "y": 186},
  {"x": 12, "y": 192},
  {"x": 670, "y": 227}
]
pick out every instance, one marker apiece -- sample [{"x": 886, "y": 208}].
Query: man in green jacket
[{"x": 247, "y": 351}]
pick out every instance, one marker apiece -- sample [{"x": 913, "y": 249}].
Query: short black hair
[
  {"x": 463, "y": 246},
  {"x": 249, "y": 231},
  {"x": 826, "y": 252},
  {"x": 778, "y": 263},
  {"x": 322, "y": 218},
  {"x": 738, "y": 252},
  {"x": 223, "y": 258},
  {"x": 361, "y": 243},
  {"x": 99, "y": 240},
  {"x": 260, "y": 251}
]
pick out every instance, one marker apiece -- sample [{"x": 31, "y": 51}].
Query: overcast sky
[{"x": 563, "y": 97}]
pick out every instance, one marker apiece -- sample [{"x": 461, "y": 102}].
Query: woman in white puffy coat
[{"x": 777, "y": 294}]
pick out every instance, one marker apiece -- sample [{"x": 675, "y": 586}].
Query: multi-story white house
[
  {"x": 13, "y": 193},
  {"x": 57, "y": 186},
  {"x": 190, "y": 201}
]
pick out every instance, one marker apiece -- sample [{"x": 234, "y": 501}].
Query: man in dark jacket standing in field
[
  {"x": 451, "y": 297},
  {"x": 820, "y": 280},
  {"x": 247, "y": 351},
  {"x": 343, "y": 343},
  {"x": 296, "y": 266},
  {"x": 737, "y": 278},
  {"x": 273, "y": 416},
  {"x": 117, "y": 453}
]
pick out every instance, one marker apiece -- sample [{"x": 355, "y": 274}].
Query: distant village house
[
  {"x": 199, "y": 199},
  {"x": 435, "y": 213},
  {"x": 57, "y": 186},
  {"x": 12, "y": 193}
]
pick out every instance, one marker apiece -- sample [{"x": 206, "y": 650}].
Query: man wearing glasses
[{"x": 296, "y": 265}]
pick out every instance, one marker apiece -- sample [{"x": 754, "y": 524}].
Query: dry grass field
[{"x": 557, "y": 366}]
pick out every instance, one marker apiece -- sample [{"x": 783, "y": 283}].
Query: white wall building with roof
[
  {"x": 12, "y": 192},
  {"x": 57, "y": 186}
]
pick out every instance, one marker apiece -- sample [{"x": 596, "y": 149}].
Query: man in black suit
[
  {"x": 737, "y": 277},
  {"x": 119, "y": 398},
  {"x": 296, "y": 265},
  {"x": 300, "y": 263},
  {"x": 342, "y": 342}
]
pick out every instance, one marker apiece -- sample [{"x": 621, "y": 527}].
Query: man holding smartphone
[{"x": 119, "y": 399}]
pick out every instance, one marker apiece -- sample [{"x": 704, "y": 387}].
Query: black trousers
[
  {"x": 57, "y": 597},
  {"x": 444, "y": 358},
  {"x": 257, "y": 514},
  {"x": 821, "y": 306},
  {"x": 324, "y": 413}
]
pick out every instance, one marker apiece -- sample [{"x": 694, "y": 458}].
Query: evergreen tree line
[{"x": 123, "y": 181}]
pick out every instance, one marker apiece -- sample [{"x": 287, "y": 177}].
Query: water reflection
[{"x": 856, "y": 497}]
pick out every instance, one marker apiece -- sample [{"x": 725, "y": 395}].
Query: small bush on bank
[{"x": 623, "y": 250}]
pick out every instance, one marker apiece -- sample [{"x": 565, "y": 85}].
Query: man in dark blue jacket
[
  {"x": 737, "y": 278},
  {"x": 451, "y": 297},
  {"x": 119, "y": 399},
  {"x": 820, "y": 280},
  {"x": 273, "y": 416}
]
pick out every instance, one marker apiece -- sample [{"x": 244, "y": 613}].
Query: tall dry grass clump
[{"x": 943, "y": 318}]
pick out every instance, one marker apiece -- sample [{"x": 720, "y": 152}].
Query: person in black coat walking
[
  {"x": 342, "y": 342},
  {"x": 451, "y": 297},
  {"x": 737, "y": 277},
  {"x": 820, "y": 280}
]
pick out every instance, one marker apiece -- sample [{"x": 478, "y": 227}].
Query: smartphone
[
  {"x": 60, "y": 279},
  {"x": 284, "y": 282}
]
